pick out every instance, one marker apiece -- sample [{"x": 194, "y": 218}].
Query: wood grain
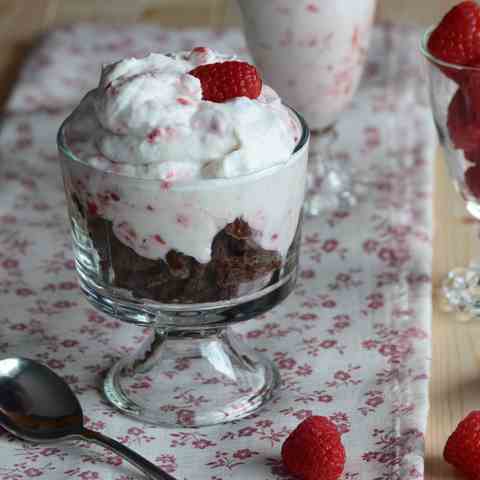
[{"x": 455, "y": 385}]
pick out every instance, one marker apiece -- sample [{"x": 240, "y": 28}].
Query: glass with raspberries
[
  {"x": 185, "y": 180},
  {"x": 452, "y": 52}
]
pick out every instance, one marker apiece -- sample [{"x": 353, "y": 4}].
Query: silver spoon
[{"x": 38, "y": 406}]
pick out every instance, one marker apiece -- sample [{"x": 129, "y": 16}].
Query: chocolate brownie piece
[{"x": 237, "y": 265}]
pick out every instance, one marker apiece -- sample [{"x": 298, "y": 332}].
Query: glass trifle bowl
[{"x": 189, "y": 259}]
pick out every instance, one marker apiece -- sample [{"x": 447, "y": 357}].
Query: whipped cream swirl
[{"x": 147, "y": 119}]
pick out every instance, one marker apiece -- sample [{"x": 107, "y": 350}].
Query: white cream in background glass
[{"x": 313, "y": 53}]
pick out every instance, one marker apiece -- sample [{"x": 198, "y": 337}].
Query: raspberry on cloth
[{"x": 353, "y": 341}]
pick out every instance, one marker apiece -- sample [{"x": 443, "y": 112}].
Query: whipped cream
[
  {"x": 170, "y": 170},
  {"x": 147, "y": 119}
]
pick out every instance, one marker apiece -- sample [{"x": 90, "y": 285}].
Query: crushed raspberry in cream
[
  {"x": 147, "y": 119},
  {"x": 171, "y": 170}
]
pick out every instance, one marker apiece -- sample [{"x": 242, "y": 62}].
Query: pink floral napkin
[{"x": 351, "y": 343}]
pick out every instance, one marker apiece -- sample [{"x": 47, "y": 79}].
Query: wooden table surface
[{"x": 455, "y": 384}]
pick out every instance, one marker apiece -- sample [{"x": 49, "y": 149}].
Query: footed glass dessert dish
[
  {"x": 187, "y": 258},
  {"x": 454, "y": 93}
]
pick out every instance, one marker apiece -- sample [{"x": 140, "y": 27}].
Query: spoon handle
[{"x": 148, "y": 468}]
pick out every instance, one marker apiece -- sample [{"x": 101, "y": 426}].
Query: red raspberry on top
[
  {"x": 226, "y": 80},
  {"x": 314, "y": 450},
  {"x": 462, "y": 449},
  {"x": 456, "y": 39}
]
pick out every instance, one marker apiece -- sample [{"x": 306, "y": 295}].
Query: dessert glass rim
[
  {"x": 212, "y": 182},
  {"x": 426, "y": 53}
]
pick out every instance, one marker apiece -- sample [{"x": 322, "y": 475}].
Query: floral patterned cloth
[{"x": 352, "y": 342}]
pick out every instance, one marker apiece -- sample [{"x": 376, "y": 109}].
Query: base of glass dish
[
  {"x": 473, "y": 208},
  {"x": 330, "y": 183},
  {"x": 460, "y": 293},
  {"x": 191, "y": 379}
]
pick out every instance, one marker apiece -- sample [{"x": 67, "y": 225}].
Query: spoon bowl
[
  {"x": 35, "y": 403},
  {"x": 38, "y": 406}
]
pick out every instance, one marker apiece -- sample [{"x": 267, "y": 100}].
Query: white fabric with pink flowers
[{"x": 352, "y": 342}]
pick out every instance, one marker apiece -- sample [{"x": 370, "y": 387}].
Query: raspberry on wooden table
[
  {"x": 314, "y": 450},
  {"x": 226, "y": 80},
  {"x": 462, "y": 449}
]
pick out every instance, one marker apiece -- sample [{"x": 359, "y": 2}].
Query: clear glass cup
[
  {"x": 193, "y": 369},
  {"x": 313, "y": 55},
  {"x": 454, "y": 95}
]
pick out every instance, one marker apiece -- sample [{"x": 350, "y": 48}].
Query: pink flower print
[
  {"x": 307, "y": 274},
  {"x": 388, "y": 256},
  {"x": 69, "y": 265},
  {"x": 415, "y": 332},
  {"x": 9, "y": 264},
  {"x": 376, "y": 301},
  {"x": 308, "y": 316},
  {"x": 341, "y": 322},
  {"x": 400, "y": 231},
  {"x": 343, "y": 277},
  {"x": 244, "y": 453},
  {"x": 341, "y": 421},
  {"x": 24, "y": 292},
  {"x": 328, "y": 344},
  {"x": 287, "y": 364},
  {"x": 32, "y": 472},
  {"x": 94, "y": 317},
  {"x": 330, "y": 245},
  {"x": 370, "y": 246},
  {"x": 185, "y": 417},
  {"x": 41, "y": 206},
  {"x": 264, "y": 423},
  {"x": 135, "y": 431},
  {"x": 115, "y": 461},
  {"x": 302, "y": 414},
  {"x": 246, "y": 432},
  {"x": 286, "y": 38},
  {"x": 324, "y": 398},
  {"x": 304, "y": 370},
  {"x": 167, "y": 462},
  {"x": 47, "y": 452},
  {"x": 388, "y": 350},
  {"x": 69, "y": 343},
  {"x": 374, "y": 401},
  {"x": 19, "y": 327},
  {"x": 372, "y": 134},
  {"x": 182, "y": 364},
  {"x": 329, "y": 304},
  {"x": 55, "y": 364},
  {"x": 254, "y": 334},
  {"x": 369, "y": 344},
  {"x": 202, "y": 443},
  {"x": 64, "y": 304},
  {"x": 88, "y": 475},
  {"x": 342, "y": 376},
  {"x": 8, "y": 219}
]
